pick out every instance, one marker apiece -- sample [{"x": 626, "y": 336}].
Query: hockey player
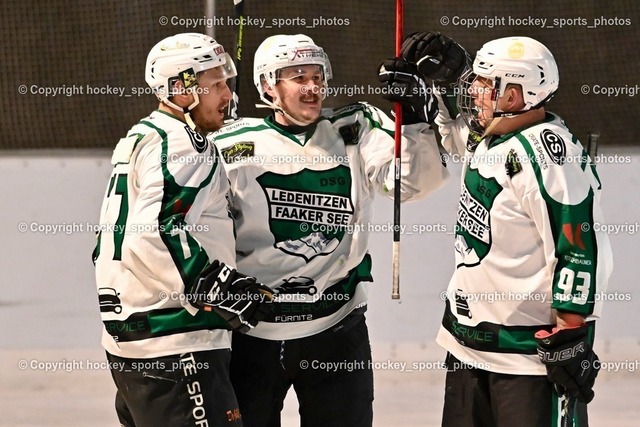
[
  {"x": 164, "y": 218},
  {"x": 519, "y": 320},
  {"x": 302, "y": 184}
]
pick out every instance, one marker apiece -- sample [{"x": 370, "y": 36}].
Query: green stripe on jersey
[
  {"x": 241, "y": 131},
  {"x": 575, "y": 243},
  {"x": 496, "y": 338},
  {"x": 188, "y": 257},
  {"x": 159, "y": 323},
  {"x": 492, "y": 337}
]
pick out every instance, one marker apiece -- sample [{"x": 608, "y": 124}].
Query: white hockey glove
[{"x": 237, "y": 298}]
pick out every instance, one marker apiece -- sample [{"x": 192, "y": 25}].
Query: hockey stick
[
  {"x": 592, "y": 145},
  {"x": 232, "y": 110},
  {"x": 395, "y": 291},
  {"x": 567, "y": 412}
]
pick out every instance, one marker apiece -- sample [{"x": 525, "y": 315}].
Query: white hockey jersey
[
  {"x": 164, "y": 215},
  {"x": 302, "y": 204},
  {"x": 525, "y": 243}
]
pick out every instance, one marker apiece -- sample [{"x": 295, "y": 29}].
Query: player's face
[
  {"x": 298, "y": 92},
  {"x": 214, "y": 94},
  {"x": 483, "y": 99}
]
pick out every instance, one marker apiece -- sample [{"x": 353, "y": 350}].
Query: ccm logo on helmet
[
  {"x": 514, "y": 75},
  {"x": 554, "y": 144}
]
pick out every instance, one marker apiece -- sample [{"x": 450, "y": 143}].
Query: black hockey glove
[
  {"x": 237, "y": 298},
  {"x": 572, "y": 366},
  {"x": 437, "y": 56},
  {"x": 401, "y": 82}
]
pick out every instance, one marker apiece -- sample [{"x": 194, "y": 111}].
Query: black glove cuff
[{"x": 564, "y": 346}]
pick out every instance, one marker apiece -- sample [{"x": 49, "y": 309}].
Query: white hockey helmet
[
  {"x": 281, "y": 51},
  {"x": 522, "y": 61},
  {"x": 182, "y": 57},
  {"x": 511, "y": 60}
]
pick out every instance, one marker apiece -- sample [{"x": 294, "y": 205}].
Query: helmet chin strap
[
  {"x": 498, "y": 116},
  {"x": 185, "y": 110},
  {"x": 492, "y": 125}
]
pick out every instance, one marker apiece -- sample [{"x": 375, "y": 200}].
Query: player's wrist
[{"x": 567, "y": 320}]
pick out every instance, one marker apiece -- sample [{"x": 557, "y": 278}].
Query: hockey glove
[
  {"x": 237, "y": 298},
  {"x": 401, "y": 82},
  {"x": 572, "y": 366},
  {"x": 437, "y": 56}
]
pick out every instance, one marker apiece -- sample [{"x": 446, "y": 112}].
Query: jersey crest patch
[
  {"x": 309, "y": 211},
  {"x": 473, "y": 228}
]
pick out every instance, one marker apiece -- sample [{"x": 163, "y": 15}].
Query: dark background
[{"x": 100, "y": 44}]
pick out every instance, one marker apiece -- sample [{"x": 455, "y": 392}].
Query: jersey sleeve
[
  {"x": 422, "y": 169},
  {"x": 562, "y": 201},
  {"x": 174, "y": 188},
  {"x": 451, "y": 126}
]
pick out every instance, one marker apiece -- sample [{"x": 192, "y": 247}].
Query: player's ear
[
  {"x": 513, "y": 97},
  {"x": 271, "y": 91},
  {"x": 182, "y": 97}
]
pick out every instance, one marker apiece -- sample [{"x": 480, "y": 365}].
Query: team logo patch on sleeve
[
  {"x": 350, "y": 133},
  {"x": 198, "y": 141},
  {"x": 555, "y": 146},
  {"x": 238, "y": 151},
  {"x": 512, "y": 164}
]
